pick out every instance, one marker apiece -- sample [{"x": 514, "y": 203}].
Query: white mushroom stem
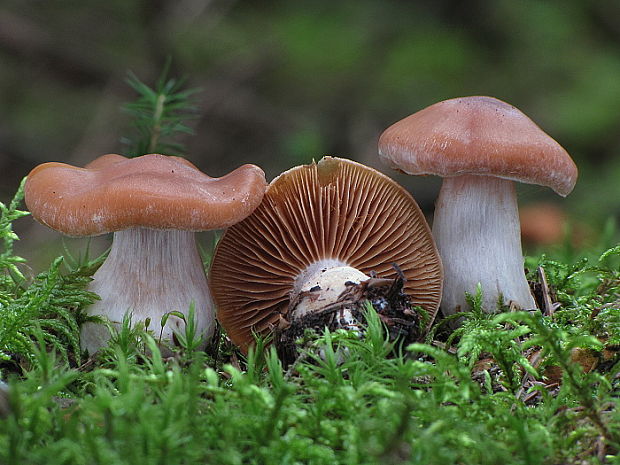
[
  {"x": 476, "y": 228},
  {"x": 150, "y": 273},
  {"x": 322, "y": 283}
]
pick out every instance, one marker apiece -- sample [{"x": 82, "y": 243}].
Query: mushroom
[
  {"x": 320, "y": 229},
  {"x": 479, "y": 145},
  {"x": 153, "y": 204}
]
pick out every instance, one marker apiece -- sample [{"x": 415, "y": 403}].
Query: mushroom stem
[
  {"x": 150, "y": 273},
  {"x": 476, "y": 228}
]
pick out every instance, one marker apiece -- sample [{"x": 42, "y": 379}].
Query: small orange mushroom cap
[
  {"x": 153, "y": 191},
  {"x": 477, "y": 135},
  {"x": 542, "y": 223}
]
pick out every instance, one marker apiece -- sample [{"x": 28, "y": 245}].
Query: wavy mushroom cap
[
  {"x": 477, "y": 135},
  {"x": 153, "y": 191},
  {"x": 335, "y": 209}
]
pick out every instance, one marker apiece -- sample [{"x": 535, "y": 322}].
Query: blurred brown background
[{"x": 283, "y": 82}]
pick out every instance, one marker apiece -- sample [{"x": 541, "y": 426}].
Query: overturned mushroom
[
  {"x": 479, "y": 145},
  {"x": 153, "y": 204},
  {"x": 320, "y": 232}
]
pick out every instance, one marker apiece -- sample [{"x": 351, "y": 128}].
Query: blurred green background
[{"x": 283, "y": 82}]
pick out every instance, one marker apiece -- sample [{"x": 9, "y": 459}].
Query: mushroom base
[
  {"x": 476, "y": 228},
  {"x": 348, "y": 312},
  {"x": 150, "y": 273},
  {"x": 321, "y": 284}
]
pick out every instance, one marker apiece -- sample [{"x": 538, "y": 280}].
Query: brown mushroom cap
[
  {"x": 477, "y": 135},
  {"x": 333, "y": 209},
  {"x": 154, "y": 191}
]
